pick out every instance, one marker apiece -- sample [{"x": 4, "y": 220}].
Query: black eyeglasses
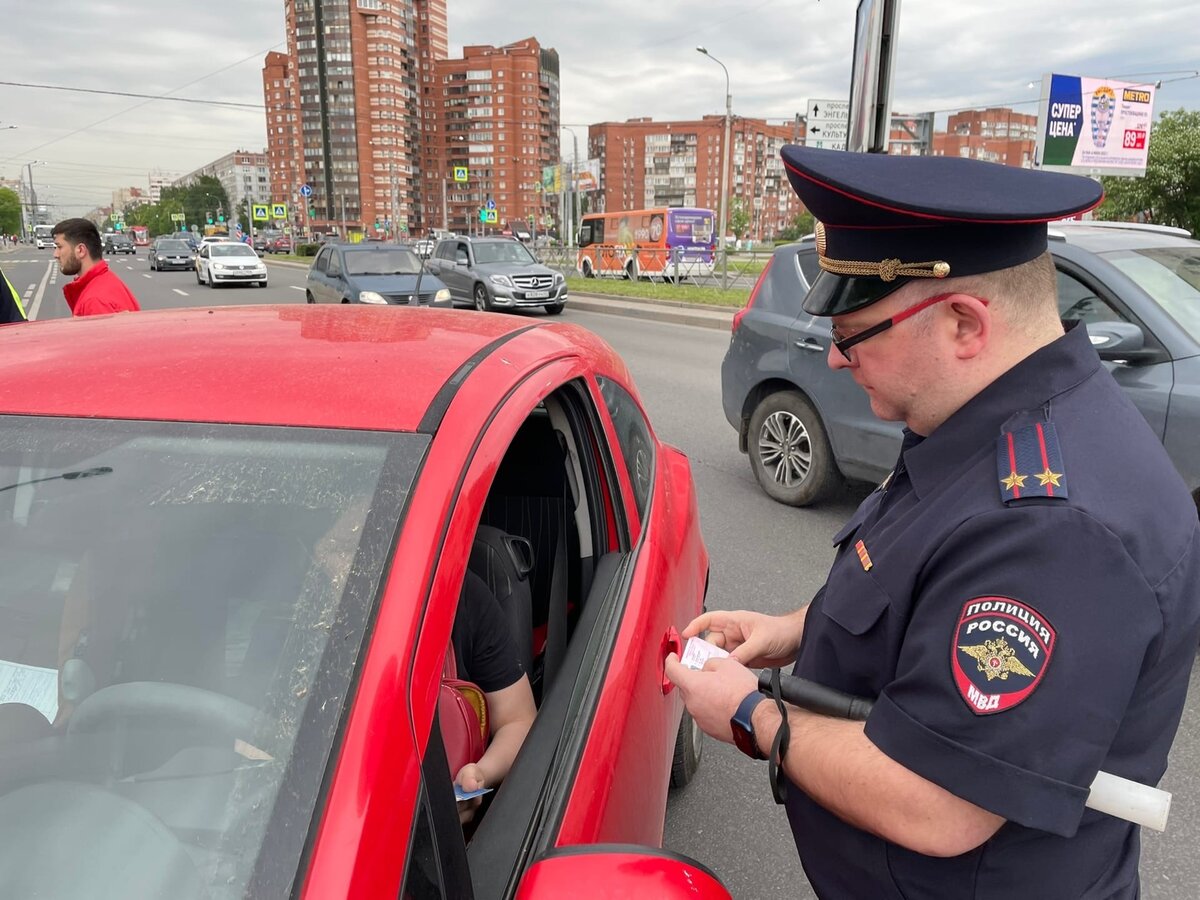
[{"x": 845, "y": 341}]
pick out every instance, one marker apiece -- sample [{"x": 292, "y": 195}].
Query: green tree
[
  {"x": 801, "y": 225},
  {"x": 10, "y": 211},
  {"x": 154, "y": 216},
  {"x": 1169, "y": 192},
  {"x": 739, "y": 217},
  {"x": 197, "y": 199}
]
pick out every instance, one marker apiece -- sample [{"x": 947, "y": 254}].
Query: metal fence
[{"x": 732, "y": 271}]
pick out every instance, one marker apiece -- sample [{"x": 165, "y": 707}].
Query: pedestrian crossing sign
[
  {"x": 258, "y": 212},
  {"x": 460, "y": 173},
  {"x": 278, "y": 210}
]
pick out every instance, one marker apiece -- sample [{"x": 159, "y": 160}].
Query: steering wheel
[{"x": 189, "y": 706}]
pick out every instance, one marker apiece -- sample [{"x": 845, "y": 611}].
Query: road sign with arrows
[{"x": 827, "y": 122}]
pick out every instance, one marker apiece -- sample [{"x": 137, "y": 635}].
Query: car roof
[
  {"x": 1101, "y": 237},
  {"x": 349, "y": 366}
]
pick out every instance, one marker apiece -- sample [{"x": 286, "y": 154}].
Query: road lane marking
[
  {"x": 37, "y": 299},
  {"x": 295, "y": 287},
  {"x": 179, "y": 292},
  {"x": 145, "y": 274}
]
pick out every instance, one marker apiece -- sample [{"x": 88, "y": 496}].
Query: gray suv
[
  {"x": 496, "y": 273},
  {"x": 806, "y": 427}
]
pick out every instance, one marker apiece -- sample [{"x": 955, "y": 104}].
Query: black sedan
[{"x": 170, "y": 254}]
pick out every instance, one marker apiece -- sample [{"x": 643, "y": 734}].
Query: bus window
[{"x": 585, "y": 234}]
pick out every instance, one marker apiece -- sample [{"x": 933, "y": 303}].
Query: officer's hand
[
  {"x": 753, "y": 639},
  {"x": 712, "y": 695}
]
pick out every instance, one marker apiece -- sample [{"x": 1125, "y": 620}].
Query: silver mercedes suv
[{"x": 496, "y": 273}]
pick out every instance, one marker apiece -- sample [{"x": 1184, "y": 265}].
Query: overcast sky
[{"x": 620, "y": 59}]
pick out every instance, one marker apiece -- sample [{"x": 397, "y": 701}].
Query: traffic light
[
  {"x": 209, "y": 217},
  {"x": 312, "y": 210},
  {"x": 220, "y": 215}
]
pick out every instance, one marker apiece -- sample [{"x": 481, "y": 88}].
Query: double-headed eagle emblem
[{"x": 996, "y": 659}]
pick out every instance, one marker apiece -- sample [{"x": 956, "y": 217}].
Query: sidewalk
[{"x": 677, "y": 313}]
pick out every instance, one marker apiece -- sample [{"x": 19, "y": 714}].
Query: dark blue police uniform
[{"x": 1021, "y": 595}]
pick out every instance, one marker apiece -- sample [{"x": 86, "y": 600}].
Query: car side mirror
[
  {"x": 1121, "y": 342},
  {"x": 462, "y": 262},
  {"x": 615, "y": 871}
]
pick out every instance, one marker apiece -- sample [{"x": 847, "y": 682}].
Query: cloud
[{"x": 619, "y": 60}]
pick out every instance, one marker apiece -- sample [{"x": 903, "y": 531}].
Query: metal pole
[
  {"x": 32, "y": 197},
  {"x": 724, "y": 183},
  {"x": 250, "y": 216},
  {"x": 345, "y": 234},
  {"x": 445, "y": 209}
]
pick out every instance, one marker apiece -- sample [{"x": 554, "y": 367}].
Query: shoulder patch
[
  {"x": 1029, "y": 463},
  {"x": 1000, "y": 653}
]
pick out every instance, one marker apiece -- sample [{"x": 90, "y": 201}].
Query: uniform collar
[{"x": 1028, "y": 385}]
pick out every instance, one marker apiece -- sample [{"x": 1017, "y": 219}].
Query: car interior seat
[
  {"x": 530, "y": 498},
  {"x": 504, "y": 562}
]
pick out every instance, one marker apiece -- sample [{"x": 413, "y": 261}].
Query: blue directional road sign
[
  {"x": 491, "y": 204},
  {"x": 305, "y": 190}
]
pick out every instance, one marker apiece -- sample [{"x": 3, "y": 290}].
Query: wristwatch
[{"x": 742, "y": 726}]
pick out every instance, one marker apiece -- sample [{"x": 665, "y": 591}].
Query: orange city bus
[{"x": 647, "y": 242}]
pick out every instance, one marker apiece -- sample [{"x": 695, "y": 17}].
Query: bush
[{"x": 307, "y": 249}]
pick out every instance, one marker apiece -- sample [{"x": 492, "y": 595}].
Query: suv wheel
[
  {"x": 587, "y": 269},
  {"x": 483, "y": 302},
  {"x": 789, "y": 451}
]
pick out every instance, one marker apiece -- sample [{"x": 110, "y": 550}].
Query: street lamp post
[
  {"x": 724, "y": 213},
  {"x": 574, "y": 165}
]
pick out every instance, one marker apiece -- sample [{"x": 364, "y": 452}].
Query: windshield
[
  {"x": 1171, "y": 275},
  {"x": 174, "y": 247},
  {"x": 503, "y": 252},
  {"x": 232, "y": 250},
  {"x": 169, "y": 692},
  {"x": 393, "y": 261}
]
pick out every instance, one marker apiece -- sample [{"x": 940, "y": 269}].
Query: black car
[
  {"x": 169, "y": 253},
  {"x": 119, "y": 243},
  {"x": 806, "y": 427}
]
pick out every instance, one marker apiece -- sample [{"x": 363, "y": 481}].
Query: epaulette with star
[{"x": 1029, "y": 463}]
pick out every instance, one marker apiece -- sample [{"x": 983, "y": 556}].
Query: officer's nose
[{"x": 839, "y": 360}]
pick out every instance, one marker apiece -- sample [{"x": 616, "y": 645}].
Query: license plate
[{"x": 536, "y": 295}]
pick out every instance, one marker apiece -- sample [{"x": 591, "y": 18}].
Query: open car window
[{"x": 169, "y": 683}]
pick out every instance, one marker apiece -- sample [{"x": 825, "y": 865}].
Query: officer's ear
[{"x": 971, "y": 324}]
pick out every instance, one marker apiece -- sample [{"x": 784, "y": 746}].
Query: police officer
[
  {"x": 1020, "y": 596},
  {"x": 11, "y": 308}
]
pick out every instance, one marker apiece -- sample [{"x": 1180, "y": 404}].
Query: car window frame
[
  {"x": 1080, "y": 273},
  {"x": 333, "y": 268}
]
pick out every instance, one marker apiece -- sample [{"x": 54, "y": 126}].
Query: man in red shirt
[{"x": 97, "y": 290}]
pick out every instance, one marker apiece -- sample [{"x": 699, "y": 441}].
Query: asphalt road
[{"x": 764, "y": 556}]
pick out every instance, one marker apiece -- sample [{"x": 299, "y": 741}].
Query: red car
[{"x": 234, "y": 542}]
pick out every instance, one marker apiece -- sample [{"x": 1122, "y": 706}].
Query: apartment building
[
  {"x": 243, "y": 174},
  {"x": 997, "y": 135},
  {"x": 644, "y": 163},
  {"x": 491, "y": 118},
  {"x": 344, "y": 110}
]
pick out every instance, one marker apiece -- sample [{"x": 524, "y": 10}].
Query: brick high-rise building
[
  {"x": 996, "y": 135},
  {"x": 644, "y": 163},
  {"x": 495, "y": 112},
  {"x": 345, "y": 110}
]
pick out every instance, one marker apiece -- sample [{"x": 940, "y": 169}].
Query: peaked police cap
[{"x": 883, "y": 220}]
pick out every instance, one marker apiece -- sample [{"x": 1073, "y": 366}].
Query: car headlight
[
  {"x": 502, "y": 280},
  {"x": 442, "y": 296},
  {"x": 559, "y": 278},
  {"x": 218, "y": 266},
  {"x": 371, "y": 297}
]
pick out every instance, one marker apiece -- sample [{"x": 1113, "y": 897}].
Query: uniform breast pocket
[{"x": 853, "y": 599}]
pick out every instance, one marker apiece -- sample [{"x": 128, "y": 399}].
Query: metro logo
[
  {"x": 1131, "y": 95},
  {"x": 1134, "y": 140}
]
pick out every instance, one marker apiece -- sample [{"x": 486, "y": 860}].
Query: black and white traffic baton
[{"x": 1138, "y": 803}]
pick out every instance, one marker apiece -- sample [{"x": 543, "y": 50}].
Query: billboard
[
  {"x": 872, "y": 62},
  {"x": 552, "y": 179},
  {"x": 587, "y": 176},
  {"x": 1094, "y": 126}
]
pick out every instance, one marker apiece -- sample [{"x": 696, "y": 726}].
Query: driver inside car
[{"x": 485, "y": 654}]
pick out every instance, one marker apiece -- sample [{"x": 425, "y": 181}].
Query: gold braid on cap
[{"x": 885, "y": 269}]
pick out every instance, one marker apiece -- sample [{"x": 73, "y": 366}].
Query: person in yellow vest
[{"x": 11, "y": 309}]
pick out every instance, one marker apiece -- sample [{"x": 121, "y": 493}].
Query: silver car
[
  {"x": 807, "y": 428},
  {"x": 496, "y": 273}
]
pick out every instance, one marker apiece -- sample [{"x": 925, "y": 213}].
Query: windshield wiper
[{"x": 68, "y": 476}]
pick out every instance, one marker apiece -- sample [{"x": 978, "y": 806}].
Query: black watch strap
[{"x": 779, "y": 746}]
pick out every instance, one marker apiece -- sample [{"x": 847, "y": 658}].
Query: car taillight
[{"x": 737, "y": 316}]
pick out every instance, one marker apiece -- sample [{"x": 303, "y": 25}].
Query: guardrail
[{"x": 734, "y": 270}]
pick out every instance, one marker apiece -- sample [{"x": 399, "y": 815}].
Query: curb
[{"x": 674, "y": 312}]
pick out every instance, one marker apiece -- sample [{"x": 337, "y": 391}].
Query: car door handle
[
  {"x": 671, "y": 643},
  {"x": 810, "y": 344}
]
